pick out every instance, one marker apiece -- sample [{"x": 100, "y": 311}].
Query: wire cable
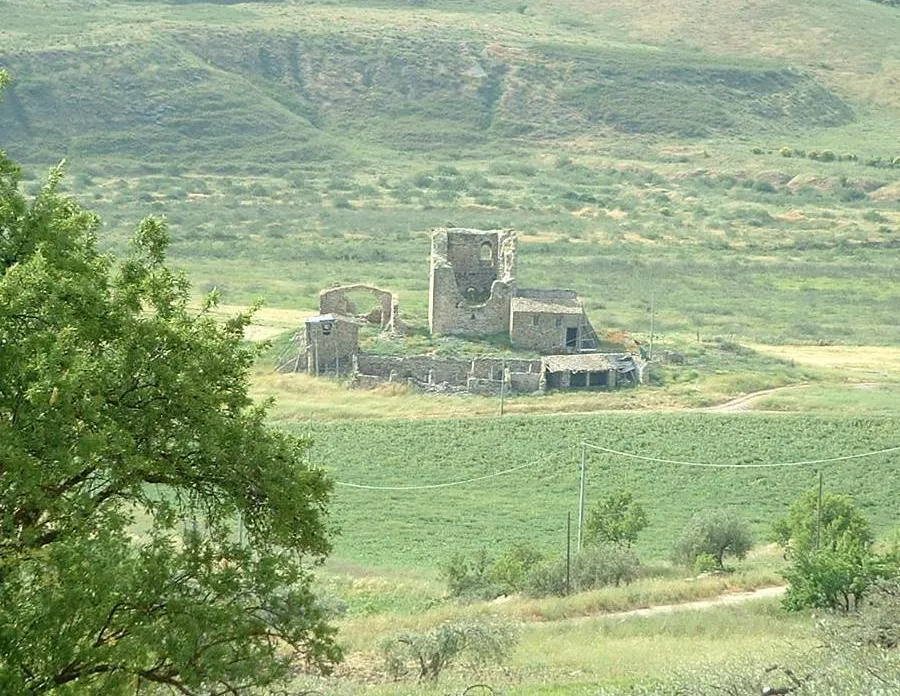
[
  {"x": 770, "y": 465},
  {"x": 448, "y": 484}
]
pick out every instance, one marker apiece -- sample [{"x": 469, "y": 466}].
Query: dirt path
[
  {"x": 743, "y": 403},
  {"x": 721, "y": 600}
]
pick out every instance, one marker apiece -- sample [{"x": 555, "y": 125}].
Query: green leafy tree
[
  {"x": 841, "y": 524},
  {"x": 617, "y": 519},
  {"x": 718, "y": 533},
  {"x": 833, "y": 564},
  {"x": 833, "y": 578},
  {"x": 130, "y": 452}
]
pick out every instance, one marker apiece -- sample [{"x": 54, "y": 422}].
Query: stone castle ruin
[{"x": 473, "y": 294}]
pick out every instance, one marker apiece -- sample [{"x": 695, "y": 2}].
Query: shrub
[
  {"x": 594, "y": 567},
  {"x": 618, "y": 519},
  {"x": 834, "y": 578},
  {"x": 480, "y": 577},
  {"x": 786, "y": 152},
  {"x": 718, "y": 533},
  {"x": 427, "y": 653},
  {"x": 509, "y": 572},
  {"x": 469, "y": 578},
  {"x": 705, "y": 563}
]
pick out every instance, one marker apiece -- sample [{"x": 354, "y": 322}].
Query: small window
[
  {"x": 486, "y": 253},
  {"x": 535, "y": 319}
]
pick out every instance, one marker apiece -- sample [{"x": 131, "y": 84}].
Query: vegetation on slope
[{"x": 296, "y": 145}]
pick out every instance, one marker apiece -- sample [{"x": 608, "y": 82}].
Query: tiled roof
[
  {"x": 546, "y": 302},
  {"x": 582, "y": 362}
]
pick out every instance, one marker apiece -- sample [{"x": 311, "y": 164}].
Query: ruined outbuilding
[
  {"x": 472, "y": 293},
  {"x": 337, "y": 301}
]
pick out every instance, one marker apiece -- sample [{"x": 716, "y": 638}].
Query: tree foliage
[
  {"x": 833, "y": 564},
  {"x": 129, "y": 448},
  {"x": 617, "y": 518},
  {"x": 714, "y": 532},
  {"x": 593, "y": 567},
  {"x": 842, "y": 524}
]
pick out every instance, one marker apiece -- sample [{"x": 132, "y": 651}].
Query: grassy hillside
[{"x": 293, "y": 145}]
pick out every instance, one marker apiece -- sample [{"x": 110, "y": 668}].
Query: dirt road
[{"x": 721, "y": 600}]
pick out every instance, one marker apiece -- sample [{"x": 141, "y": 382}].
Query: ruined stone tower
[{"x": 473, "y": 275}]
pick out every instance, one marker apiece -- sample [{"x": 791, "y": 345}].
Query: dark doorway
[
  {"x": 578, "y": 379},
  {"x": 572, "y": 337},
  {"x": 598, "y": 379}
]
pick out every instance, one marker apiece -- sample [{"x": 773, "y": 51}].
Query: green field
[{"x": 423, "y": 528}]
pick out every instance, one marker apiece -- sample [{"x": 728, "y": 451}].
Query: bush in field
[
  {"x": 718, "y": 533},
  {"x": 594, "y": 567},
  {"x": 426, "y": 654},
  {"x": 469, "y": 577},
  {"x": 616, "y": 519},
  {"x": 509, "y": 572},
  {"x": 480, "y": 577}
]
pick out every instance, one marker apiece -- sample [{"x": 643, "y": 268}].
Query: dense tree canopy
[
  {"x": 154, "y": 533},
  {"x": 829, "y": 544}
]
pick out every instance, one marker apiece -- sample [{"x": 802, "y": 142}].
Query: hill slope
[{"x": 293, "y": 145}]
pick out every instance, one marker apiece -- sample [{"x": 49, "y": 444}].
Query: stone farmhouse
[{"x": 472, "y": 294}]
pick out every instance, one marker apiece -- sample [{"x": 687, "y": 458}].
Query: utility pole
[
  {"x": 652, "y": 318},
  {"x": 819, "y": 513},
  {"x": 502, "y": 385},
  {"x": 581, "y": 497},
  {"x": 568, "y": 549}
]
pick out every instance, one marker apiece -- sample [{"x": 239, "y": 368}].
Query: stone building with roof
[{"x": 473, "y": 293}]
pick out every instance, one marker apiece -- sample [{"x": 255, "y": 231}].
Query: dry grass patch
[{"x": 868, "y": 360}]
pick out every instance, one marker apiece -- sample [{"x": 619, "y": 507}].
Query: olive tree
[
  {"x": 713, "y": 533},
  {"x": 129, "y": 453}
]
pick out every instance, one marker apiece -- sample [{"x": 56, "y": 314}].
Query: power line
[
  {"x": 707, "y": 465},
  {"x": 448, "y": 484}
]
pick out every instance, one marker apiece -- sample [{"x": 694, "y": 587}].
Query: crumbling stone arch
[{"x": 337, "y": 301}]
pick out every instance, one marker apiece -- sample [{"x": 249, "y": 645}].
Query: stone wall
[
  {"x": 542, "y": 332},
  {"x": 427, "y": 369},
  {"x": 478, "y": 374},
  {"x": 472, "y": 282},
  {"x": 525, "y": 381},
  {"x": 336, "y": 301}
]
